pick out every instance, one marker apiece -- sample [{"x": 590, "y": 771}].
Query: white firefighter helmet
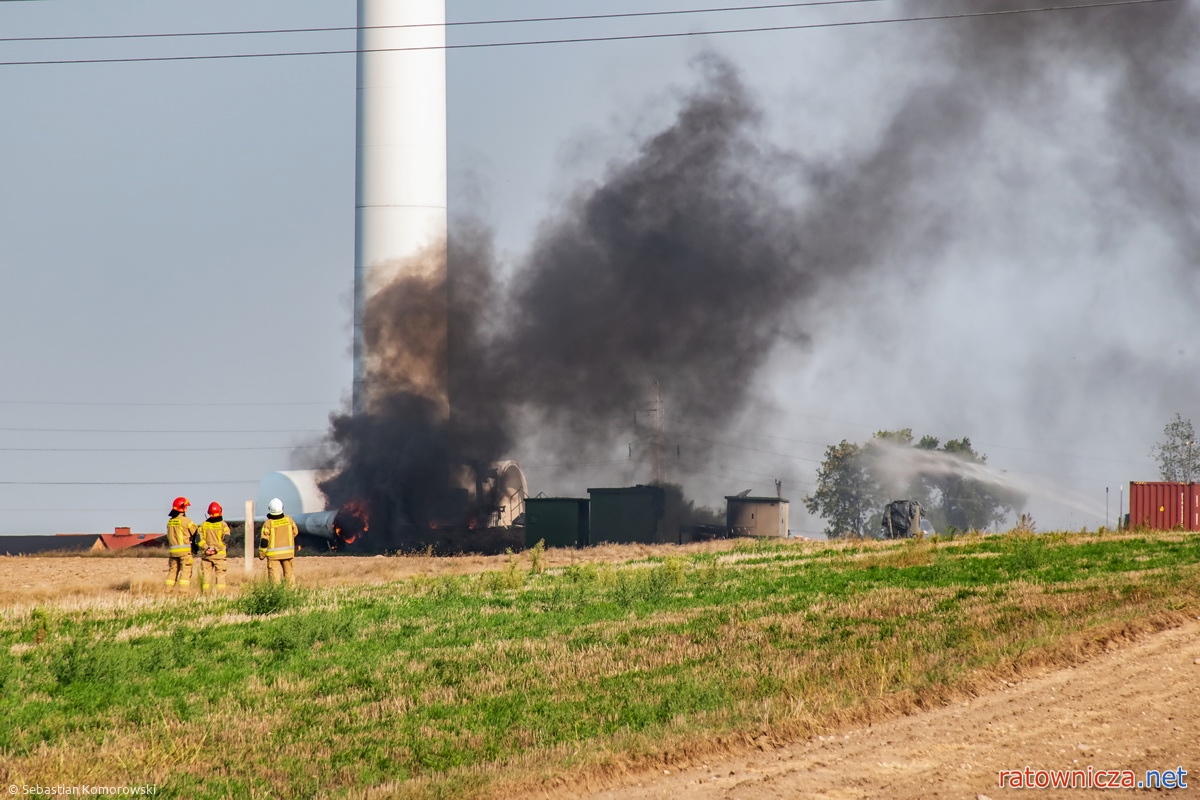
[{"x": 275, "y": 506}]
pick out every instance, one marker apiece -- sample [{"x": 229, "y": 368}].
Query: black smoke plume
[
  {"x": 692, "y": 259},
  {"x": 682, "y": 267}
]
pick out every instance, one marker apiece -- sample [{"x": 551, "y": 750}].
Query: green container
[
  {"x": 630, "y": 515},
  {"x": 558, "y": 521}
]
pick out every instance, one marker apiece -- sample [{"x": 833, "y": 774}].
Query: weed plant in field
[
  {"x": 469, "y": 685},
  {"x": 264, "y": 597}
]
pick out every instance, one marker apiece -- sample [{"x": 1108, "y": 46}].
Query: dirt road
[{"x": 1136, "y": 707}]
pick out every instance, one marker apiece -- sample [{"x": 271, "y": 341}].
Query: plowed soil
[{"x": 1136, "y": 707}]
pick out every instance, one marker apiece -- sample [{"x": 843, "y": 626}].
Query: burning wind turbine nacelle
[
  {"x": 496, "y": 494},
  {"x": 337, "y": 526},
  {"x": 322, "y": 524}
]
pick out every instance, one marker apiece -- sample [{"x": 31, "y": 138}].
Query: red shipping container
[
  {"x": 1162, "y": 506},
  {"x": 1193, "y": 507}
]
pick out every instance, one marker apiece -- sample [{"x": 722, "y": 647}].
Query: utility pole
[
  {"x": 250, "y": 543},
  {"x": 657, "y": 437},
  {"x": 658, "y": 446}
]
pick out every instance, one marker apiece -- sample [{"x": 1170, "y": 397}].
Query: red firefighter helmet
[
  {"x": 214, "y": 509},
  {"x": 181, "y": 504}
]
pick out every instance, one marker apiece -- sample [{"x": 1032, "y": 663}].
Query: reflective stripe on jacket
[
  {"x": 179, "y": 535},
  {"x": 213, "y": 534},
  {"x": 278, "y": 538}
]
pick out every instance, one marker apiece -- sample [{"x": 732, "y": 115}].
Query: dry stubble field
[
  {"x": 1128, "y": 701},
  {"x": 81, "y": 580}
]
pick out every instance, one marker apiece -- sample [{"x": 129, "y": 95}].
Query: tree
[
  {"x": 856, "y": 481},
  {"x": 1177, "y": 455},
  {"x": 851, "y": 490},
  {"x": 847, "y": 494}
]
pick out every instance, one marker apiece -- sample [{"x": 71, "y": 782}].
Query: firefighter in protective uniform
[
  {"x": 180, "y": 531},
  {"x": 277, "y": 543},
  {"x": 213, "y": 533}
]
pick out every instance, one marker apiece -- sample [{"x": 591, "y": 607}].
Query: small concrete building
[{"x": 757, "y": 516}]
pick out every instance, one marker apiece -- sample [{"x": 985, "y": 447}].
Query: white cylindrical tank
[{"x": 400, "y": 204}]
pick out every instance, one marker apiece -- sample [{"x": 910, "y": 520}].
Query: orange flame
[{"x": 352, "y": 522}]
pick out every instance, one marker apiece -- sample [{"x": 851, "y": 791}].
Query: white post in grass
[{"x": 248, "y": 568}]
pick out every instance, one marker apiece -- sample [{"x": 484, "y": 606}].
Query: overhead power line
[
  {"x": 126, "y": 483},
  {"x": 725, "y": 477},
  {"x": 747, "y": 447},
  {"x": 749, "y": 433},
  {"x": 455, "y": 24},
  {"x": 692, "y": 467},
  {"x": 60, "y": 510},
  {"x": 986, "y": 445},
  {"x": 156, "y": 431},
  {"x": 588, "y": 39},
  {"x": 1068, "y": 455},
  {"x": 151, "y": 449},
  {"x": 817, "y": 461},
  {"x": 688, "y": 463},
  {"x": 576, "y": 465},
  {"x": 154, "y": 405}
]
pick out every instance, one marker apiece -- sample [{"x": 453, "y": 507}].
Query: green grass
[{"x": 469, "y": 685}]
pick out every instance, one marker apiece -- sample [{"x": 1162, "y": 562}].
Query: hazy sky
[{"x": 176, "y": 243}]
